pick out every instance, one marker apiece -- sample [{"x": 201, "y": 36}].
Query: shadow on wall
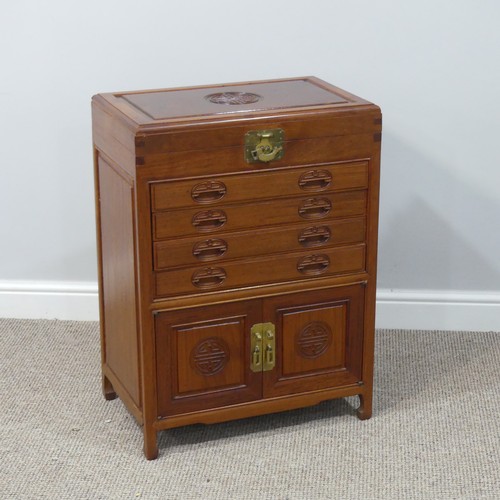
[{"x": 437, "y": 232}]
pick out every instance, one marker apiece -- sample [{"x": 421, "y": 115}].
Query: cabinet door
[
  {"x": 203, "y": 357},
  {"x": 319, "y": 337}
]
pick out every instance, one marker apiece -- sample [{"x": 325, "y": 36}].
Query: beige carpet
[{"x": 435, "y": 433}]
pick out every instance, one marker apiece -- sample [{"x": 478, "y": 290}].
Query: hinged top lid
[{"x": 231, "y": 101}]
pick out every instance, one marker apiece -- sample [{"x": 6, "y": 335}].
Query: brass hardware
[
  {"x": 269, "y": 346},
  {"x": 263, "y": 347},
  {"x": 209, "y": 277},
  {"x": 315, "y": 180},
  {"x": 209, "y": 249},
  {"x": 315, "y": 208},
  {"x": 209, "y": 220},
  {"x": 256, "y": 348},
  {"x": 313, "y": 264},
  {"x": 264, "y": 145},
  {"x": 314, "y": 236},
  {"x": 256, "y": 359},
  {"x": 208, "y": 192}
]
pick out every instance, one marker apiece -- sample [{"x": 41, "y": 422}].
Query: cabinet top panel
[{"x": 230, "y": 101}]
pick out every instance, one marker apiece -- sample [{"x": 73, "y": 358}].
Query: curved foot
[
  {"x": 107, "y": 389},
  {"x": 364, "y": 411}
]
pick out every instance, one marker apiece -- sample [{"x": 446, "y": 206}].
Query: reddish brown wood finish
[
  {"x": 262, "y": 270},
  {"x": 236, "y": 188},
  {"x": 282, "y": 239},
  {"x": 207, "y": 220},
  {"x": 118, "y": 278},
  {"x": 203, "y": 360},
  {"x": 196, "y": 245},
  {"x": 319, "y": 337}
]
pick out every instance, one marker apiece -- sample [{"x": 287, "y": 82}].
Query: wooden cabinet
[{"x": 237, "y": 233}]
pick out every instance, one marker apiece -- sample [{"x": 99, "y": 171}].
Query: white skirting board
[
  {"x": 438, "y": 310},
  {"x": 49, "y": 300},
  {"x": 407, "y": 309}
]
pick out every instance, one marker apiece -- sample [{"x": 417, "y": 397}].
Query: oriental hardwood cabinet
[{"x": 237, "y": 241}]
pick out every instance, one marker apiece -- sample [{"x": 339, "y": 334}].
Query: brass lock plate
[
  {"x": 263, "y": 347},
  {"x": 268, "y": 346},
  {"x": 256, "y": 348},
  {"x": 263, "y": 146}
]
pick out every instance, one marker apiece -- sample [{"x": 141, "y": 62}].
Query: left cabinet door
[{"x": 203, "y": 357}]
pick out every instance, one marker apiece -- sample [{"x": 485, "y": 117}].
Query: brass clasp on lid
[{"x": 264, "y": 145}]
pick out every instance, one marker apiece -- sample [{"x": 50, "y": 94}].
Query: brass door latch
[
  {"x": 263, "y": 347},
  {"x": 264, "y": 145}
]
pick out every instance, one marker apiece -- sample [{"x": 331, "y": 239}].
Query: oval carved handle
[
  {"x": 209, "y": 277},
  {"x": 209, "y": 249},
  {"x": 313, "y": 264},
  {"x": 208, "y": 192},
  {"x": 315, "y": 208},
  {"x": 315, "y": 180},
  {"x": 314, "y": 236},
  {"x": 209, "y": 220}
]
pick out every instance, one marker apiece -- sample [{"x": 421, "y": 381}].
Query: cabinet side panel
[{"x": 118, "y": 278}]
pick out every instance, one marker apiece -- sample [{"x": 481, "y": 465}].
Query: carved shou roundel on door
[
  {"x": 210, "y": 356},
  {"x": 314, "y": 339}
]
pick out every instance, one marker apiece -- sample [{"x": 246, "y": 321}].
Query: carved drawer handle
[
  {"x": 209, "y": 249},
  {"x": 209, "y": 277},
  {"x": 209, "y": 220},
  {"x": 315, "y": 208},
  {"x": 208, "y": 192},
  {"x": 313, "y": 264},
  {"x": 315, "y": 180},
  {"x": 314, "y": 236}
]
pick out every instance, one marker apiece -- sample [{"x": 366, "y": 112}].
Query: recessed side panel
[{"x": 118, "y": 277}]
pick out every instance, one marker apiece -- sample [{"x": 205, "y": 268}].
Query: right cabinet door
[{"x": 319, "y": 340}]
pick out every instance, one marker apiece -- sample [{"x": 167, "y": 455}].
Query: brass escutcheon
[
  {"x": 263, "y": 347},
  {"x": 263, "y": 146}
]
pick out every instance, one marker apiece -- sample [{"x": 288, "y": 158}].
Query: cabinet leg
[
  {"x": 365, "y": 406},
  {"x": 107, "y": 389},
  {"x": 150, "y": 442}
]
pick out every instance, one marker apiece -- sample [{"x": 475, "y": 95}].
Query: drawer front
[
  {"x": 260, "y": 185},
  {"x": 213, "y": 248},
  {"x": 290, "y": 267},
  {"x": 212, "y": 220}
]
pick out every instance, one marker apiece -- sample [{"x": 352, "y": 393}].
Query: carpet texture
[{"x": 434, "y": 434}]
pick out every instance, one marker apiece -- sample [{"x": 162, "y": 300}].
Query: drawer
[
  {"x": 192, "y": 251},
  {"x": 259, "y": 185},
  {"x": 185, "y": 222},
  {"x": 258, "y": 271}
]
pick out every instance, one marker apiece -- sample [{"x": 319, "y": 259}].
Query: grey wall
[{"x": 433, "y": 67}]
